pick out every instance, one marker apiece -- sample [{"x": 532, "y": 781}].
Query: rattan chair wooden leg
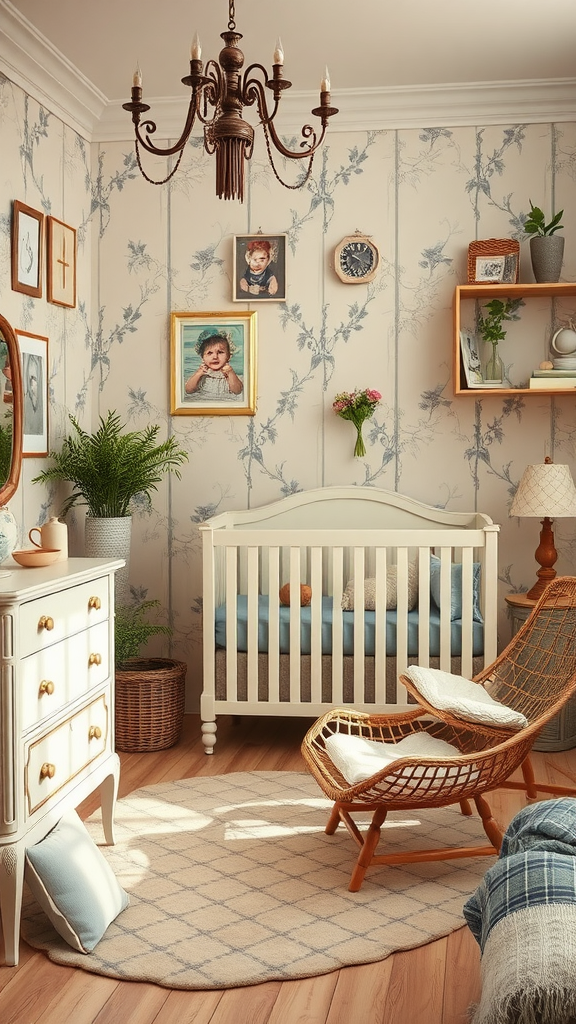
[{"x": 489, "y": 823}]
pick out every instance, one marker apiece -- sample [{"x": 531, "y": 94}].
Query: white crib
[{"x": 262, "y": 658}]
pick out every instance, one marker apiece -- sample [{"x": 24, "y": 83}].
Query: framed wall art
[
  {"x": 27, "y": 246},
  {"x": 213, "y": 364},
  {"x": 34, "y": 356},
  {"x": 259, "y": 268},
  {"x": 61, "y": 272}
]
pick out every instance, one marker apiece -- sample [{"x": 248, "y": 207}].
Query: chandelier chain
[
  {"x": 231, "y": 16},
  {"x": 161, "y": 181},
  {"x": 276, "y": 175}
]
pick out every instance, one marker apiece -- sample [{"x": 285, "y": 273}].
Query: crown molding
[
  {"x": 29, "y": 60},
  {"x": 441, "y": 106}
]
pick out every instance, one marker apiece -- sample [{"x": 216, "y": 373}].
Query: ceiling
[{"x": 367, "y": 44}]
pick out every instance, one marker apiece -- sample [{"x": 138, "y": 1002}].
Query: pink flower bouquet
[{"x": 357, "y": 406}]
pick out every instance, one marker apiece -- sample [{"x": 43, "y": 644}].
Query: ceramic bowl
[{"x": 36, "y": 556}]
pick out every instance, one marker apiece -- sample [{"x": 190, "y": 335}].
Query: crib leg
[{"x": 208, "y": 736}]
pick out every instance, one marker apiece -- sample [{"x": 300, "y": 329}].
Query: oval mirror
[{"x": 10, "y": 412}]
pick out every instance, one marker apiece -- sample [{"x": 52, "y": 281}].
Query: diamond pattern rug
[{"x": 233, "y": 881}]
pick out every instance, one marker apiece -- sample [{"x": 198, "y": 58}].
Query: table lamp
[{"x": 546, "y": 491}]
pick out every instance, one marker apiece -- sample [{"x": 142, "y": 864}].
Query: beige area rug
[{"x": 233, "y": 881}]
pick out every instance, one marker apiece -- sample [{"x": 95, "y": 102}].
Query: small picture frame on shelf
[
  {"x": 471, "y": 359},
  {"x": 493, "y": 261}
]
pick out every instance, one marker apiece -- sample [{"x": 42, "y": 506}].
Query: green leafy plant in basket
[
  {"x": 109, "y": 467},
  {"x": 535, "y": 223},
  {"x": 133, "y": 629}
]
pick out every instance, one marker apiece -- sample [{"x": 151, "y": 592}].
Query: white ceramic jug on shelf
[{"x": 54, "y": 535}]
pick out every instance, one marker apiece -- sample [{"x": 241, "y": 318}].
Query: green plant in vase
[{"x": 489, "y": 324}]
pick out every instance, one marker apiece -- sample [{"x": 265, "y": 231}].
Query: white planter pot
[{"x": 110, "y": 538}]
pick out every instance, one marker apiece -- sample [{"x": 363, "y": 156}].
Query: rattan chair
[
  {"x": 533, "y": 675},
  {"x": 536, "y": 674}
]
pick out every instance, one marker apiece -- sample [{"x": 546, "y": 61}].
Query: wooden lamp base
[{"x": 546, "y": 556}]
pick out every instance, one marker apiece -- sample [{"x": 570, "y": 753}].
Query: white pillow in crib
[
  {"x": 391, "y": 590},
  {"x": 462, "y": 697},
  {"x": 358, "y": 758}
]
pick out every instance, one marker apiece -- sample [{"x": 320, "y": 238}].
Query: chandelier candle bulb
[
  {"x": 137, "y": 78},
  {"x": 196, "y": 49},
  {"x": 278, "y": 52},
  {"x": 325, "y": 83}
]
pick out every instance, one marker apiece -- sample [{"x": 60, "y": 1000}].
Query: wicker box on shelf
[
  {"x": 493, "y": 247},
  {"x": 149, "y": 704}
]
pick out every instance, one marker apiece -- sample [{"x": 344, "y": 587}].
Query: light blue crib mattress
[{"x": 347, "y": 628}]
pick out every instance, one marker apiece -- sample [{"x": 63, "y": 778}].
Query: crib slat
[
  {"x": 337, "y": 696},
  {"x": 401, "y": 611},
  {"x": 273, "y": 623},
  {"x": 316, "y": 625},
  {"x": 467, "y": 612},
  {"x": 359, "y": 646},
  {"x": 380, "y": 627},
  {"x": 445, "y": 606},
  {"x": 231, "y": 623},
  {"x": 424, "y": 606},
  {"x": 253, "y": 575},
  {"x": 295, "y": 625}
]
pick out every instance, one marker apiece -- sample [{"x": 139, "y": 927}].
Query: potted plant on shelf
[
  {"x": 150, "y": 692},
  {"x": 489, "y": 323},
  {"x": 546, "y": 247},
  {"x": 109, "y": 469}
]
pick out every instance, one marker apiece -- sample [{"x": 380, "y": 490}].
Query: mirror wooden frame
[{"x": 8, "y": 489}]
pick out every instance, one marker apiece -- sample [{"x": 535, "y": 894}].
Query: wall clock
[{"x": 356, "y": 259}]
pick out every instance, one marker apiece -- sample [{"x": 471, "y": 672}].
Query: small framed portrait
[
  {"x": 259, "y": 268},
  {"x": 61, "y": 275},
  {"x": 34, "y": 358},
  {"x": 27, "y": 245},
  {"x": 213, "y": 364}
]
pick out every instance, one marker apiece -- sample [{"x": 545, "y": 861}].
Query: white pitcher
[{"x": 53, "y": 535}]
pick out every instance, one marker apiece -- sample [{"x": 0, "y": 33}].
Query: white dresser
[{"x": 56, "y": 710}]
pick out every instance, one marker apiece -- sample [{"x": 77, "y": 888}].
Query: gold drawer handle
[
  {"x": 94, "y": 732},
  {"x": 46, "y": 686},
  {"x": 47, "y": 770},
  {"x": 95, "y": 659},
  {"x": 46, "y": 622},
  {"x": 95, "y": 602}
]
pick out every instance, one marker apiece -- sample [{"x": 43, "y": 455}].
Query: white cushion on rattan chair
[
  {"x": 463, "y": 698},
  {"x": 357, "y": 758}
]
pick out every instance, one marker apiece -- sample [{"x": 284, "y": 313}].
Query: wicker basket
[
  {"x": 149, "y": 704},
  {"x": 494, "y": 247}
]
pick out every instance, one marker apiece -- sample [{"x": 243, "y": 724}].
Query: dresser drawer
[
  {"x": 64, "y": 751},
  {"x": 63, "y": 672},
  {"x": 46, "y": 620}
]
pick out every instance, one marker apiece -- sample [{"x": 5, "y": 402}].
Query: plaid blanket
[
  {"x": 523, "y": 915},
  {"x": 536, "y": 866}
]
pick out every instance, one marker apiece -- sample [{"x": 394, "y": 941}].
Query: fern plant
[
  {"x": 109, "y": 467},
  {"x": 132, "y": 630}
]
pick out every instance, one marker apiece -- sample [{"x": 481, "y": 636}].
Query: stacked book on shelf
[{"x": 553, "y": 380}]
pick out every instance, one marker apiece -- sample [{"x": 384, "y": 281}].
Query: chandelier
[{"x": 219, "y": 94}]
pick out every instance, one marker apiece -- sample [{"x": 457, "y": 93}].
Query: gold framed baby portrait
[
  {"x": 259, "y": 268},
  {"x": 213, "y": 364}
]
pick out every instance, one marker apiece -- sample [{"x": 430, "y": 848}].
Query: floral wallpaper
[{"x": 144, "y": 251}]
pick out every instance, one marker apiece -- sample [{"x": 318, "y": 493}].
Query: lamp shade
[{"x": 545, "y": 490}]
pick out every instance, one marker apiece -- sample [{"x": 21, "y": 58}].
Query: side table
[{"x": 560, "y": 732}]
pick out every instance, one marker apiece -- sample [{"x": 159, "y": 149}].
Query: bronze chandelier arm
[
  {"x": 149, "y": 127},
  {"x": 211, "y": 93}
]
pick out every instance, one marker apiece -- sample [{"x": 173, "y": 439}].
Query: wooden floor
[{"x": 433, "y": 984}]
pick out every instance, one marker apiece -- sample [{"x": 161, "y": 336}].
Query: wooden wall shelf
[{"x": 481, "y": 292}]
